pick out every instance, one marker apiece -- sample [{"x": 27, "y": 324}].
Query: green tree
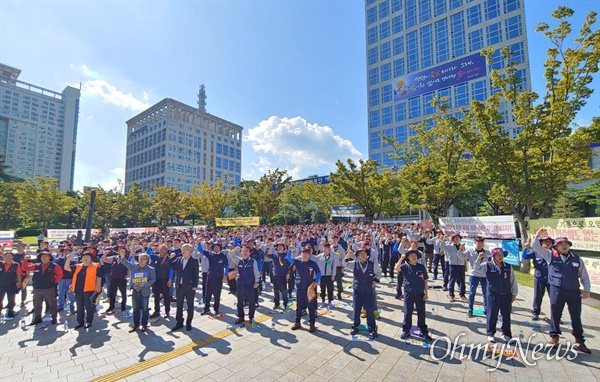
[
  {"x": 4, "y": 175},
  {"x": 533, "y": 168},
  {"x": 137, "y": 205},
  {"x": 566, "y": 206},
  {"x": 264, "y": 195},
  {"x": 242, "y": 204},
  {"x": 41, "y": 202},
  {"x": 364, "y": 186},
  {"x": 109, "y": 207},
  {"x": 168, "y": 204},
  {"x": 9, "y": 204},
  {"x": 591, "y": 195},
  {"x": 209, "y": 201}
]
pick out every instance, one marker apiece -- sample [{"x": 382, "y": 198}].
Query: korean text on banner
[
  {"x": 238, "y": 222},
  {"x": 66, "y": 233},
  {"x": 493, "y": 227},
  {"x": 592, "y": 265},
  {"x": 7, "y": 239},
  {"x": 584, "y": 233}
]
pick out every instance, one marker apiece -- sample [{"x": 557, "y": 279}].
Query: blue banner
[
  {"x": 439, "y": 77},
  {"x": 318, "y": 180},
  {"x": 512, "y": 249}
]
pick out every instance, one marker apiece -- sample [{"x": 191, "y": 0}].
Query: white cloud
[
  {"x": 145, "y": 96},
  {"x": 111, "y": 95},
  {"x": 89, "y": 72},
  {"x": 300, "y": 147}
]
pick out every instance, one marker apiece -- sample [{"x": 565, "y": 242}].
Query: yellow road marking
[{"x": 158, "y": 360}]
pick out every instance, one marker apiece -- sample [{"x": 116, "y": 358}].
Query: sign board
[
  {"x": 317, "y": 179},
  {"x": 182, "y": 228},
  {"x": 510, "y": 246},
  {"x": 63, "y": 234},
  {"x": 7, "y": 239},
  {"x": 493, "y": 227},
  {"x": 592, "y": 265},
  {"x": 136, "y": 230},
  {"x": 346, "y": 212},
  {"x": 235, "y": 222},
  {"x": 584, "y": 233}
]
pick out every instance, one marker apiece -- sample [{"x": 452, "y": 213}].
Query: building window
[
  {"x": 372, "y": 35},
  {"x": 445, "y": 96},
  {"x": 412, "y": 50},
  {"x": 386, "y": 115},
  {"x": 410, "y": 13},
  {"x": 425, "y": 10},
  {"x": 458, "y": 35},
  {"x": 399, "y": 69},
  {"x": 494, "y": 33},
  {"x": 373, "y": 53},
  {"x": 476, "y": 40},
  {"x": 522, "y": 76},
  {"x": 518, "y": 52},
  {"x": 428, "y": 108},
  {"x": 376, "y": 157},
  {"x": 374, "y": 119},
  {"x": 513, "y": 27},
  {"x": 440, "y": 7},
  {"x": 414, "y": 107},
  {"x": 461, "y": 95},
  {"x": 371, "y": 15},
  {"x": 455, "y": 4},
  {"x": 474, "y": 15},
  {"x": 384, "y": 51},
  {"x": 388, "y": 161},
  {"x": 386, "y": 94},
  {"x": 396, "y": 5},
  {"x": 401, "y": 134},
  {"x": 426, "y": 46},
  {"x": 384, "y": 30},
  {"x": 400, "y": 112},
  {"x": 479, "y": 90},
  {"x": 374, "y": 97},
  {"x": 511, "y": 5},
  {"x": 398, "y": 45},
  {"x": 492, "y": 9},
  {"x": 386, "y": 72},
  {"x": 373, "y": 74},
  {"x": 375, "y": 141},
  {"x": 441, "y": 38},
  {"x": 397, "y": 24},
  {"x": 384, "y": 9}
]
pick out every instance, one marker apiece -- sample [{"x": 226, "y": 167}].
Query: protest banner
[{"x": 235, "y": 222}]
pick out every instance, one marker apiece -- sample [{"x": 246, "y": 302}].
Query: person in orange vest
[{"x": 87, "y": 280}]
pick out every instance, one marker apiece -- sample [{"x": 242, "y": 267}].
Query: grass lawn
[
  {"x": 523, "y": 278},
  {"x": 31, "y": 240}
]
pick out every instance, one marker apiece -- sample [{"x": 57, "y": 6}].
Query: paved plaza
[{"x": 270, "y": 351}]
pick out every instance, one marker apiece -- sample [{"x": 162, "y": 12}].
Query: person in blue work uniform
[
  {"x": 328, "y": 264},
  {"x": 366, "y": 277},
  {"x": 307, "y": 277},
  {"x": 218, "y": 267},
  {"x": 477, "y": 277},
  {"x": 565, "y": 270},
  {"x": 502, "y": 291},
  {"x": 248, "y": 278},
  {"x": 161, "y": 289},
  {"x": 456, "y": 256},
  {"x": 415, "y": 293},
  {"x": 540, "y": 276},
  {"x": 281, "y": 269},
  {"x": 257, "y": 254}
]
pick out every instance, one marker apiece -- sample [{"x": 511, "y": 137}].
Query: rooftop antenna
[{"x": 202, "y": 98}]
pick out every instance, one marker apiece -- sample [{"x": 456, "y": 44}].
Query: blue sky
[{"x": 292, "y": 73}]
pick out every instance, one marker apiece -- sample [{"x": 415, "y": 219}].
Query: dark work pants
[
  {"x": 10, "y": 297},
  {"x": 446, "y": 271},
  {"x": 327, "y": 284},
  {"x": 280, "y": 286},
  {"x": 393, "y": 261},
  {"x": 364, "y": 301},
  {"x": 457, "y": 276},
  {"x": 399, "y": 284},
  {"x": 439, "y": 260},
  {"x": 246, "y": 293},
  {"x": 188, "y": 294},
  {"x": 558, "y": 299},
  {"x": 232, "y": 285},
  {"x": 540, "y": 286},
  {"x": 160, "y": 290},
  {"x": 85, "y": 307},
  {"x": 302, "y": 303},
  {"x": 267, "y": 269},
  {"x": 385, "y": 264},
  {"x": 213, "y": 288},
  {"x": 121, "y": 286},
  {"x": 338, "y": 281},
  {"x": 499, "y": 303},
  {"x": 412, "y": 301},
  {"x": 204, "y": 287},
  {"x": 291, "y": 283},
  {"x": 39, "y": 296}
]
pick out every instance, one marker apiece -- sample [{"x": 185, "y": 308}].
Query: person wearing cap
[
  {"x": 414, "y": 282},
  {"x": 163, "y": 283},
  {"x": 477, "y": 276},
  {"x": 186, "y": 270},
  {"x": 372, "y": 256},
  {"x": 233, "y": 257},
  {"x": 402, "y": 248},
  {"x": 248, "y": 278},
  {"x": 87, "y": 280},
  {"x": 64, "y": 285},
  {"x": 142, "y": 278},
  {"x": 456, "y": 256},
  {"x": 566, "y": 274},
  {"x": 281, "y": 269},
  {"x": 540, "y": 276},
  {"x": 11, "y": 278},
  {"x": 328, "y": 264},
  {"x": 366, "y": 277},
  {"x": 106, "y": 267},
  {"x": 502, "y": 290},
  {"x": 218, "y": 268},
  {"x": 338, "y": 250},
  {"x": 307, "y": 277},
  {"x": 46, "y": 275},
  {"x": 257, "y": 255}
]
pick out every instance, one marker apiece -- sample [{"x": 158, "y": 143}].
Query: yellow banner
[
  {"x": 584, "y": 233},
  {"x": 232, "y": 222}
]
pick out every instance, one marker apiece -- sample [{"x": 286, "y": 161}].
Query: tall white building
[
  {"x": 38, "y": 129},
  {"x": 175, "y": 145}
]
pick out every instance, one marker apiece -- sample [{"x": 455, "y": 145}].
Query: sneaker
[
  {"x": 426, "y": 337},
  {"x": 470, "y": 314},
  {"x": 154, "y": 315},
  {"x": 276, "y": 306},
  {"x": 535, "y": 317},
  {"x": 450, "y": 298},
  {"x": 491, "y": 339},
  {"x": 445, "y": 289},
  {"x": 78, "y": 326},
  {"x": 87, "y": 326},
  {"x": 376, "y": 313},
  {"x": 217, "y": 313},
  {"x": 134, "y": 329},
  {"x": 205, "y": 312},
  {"x": 354, "y": 331},
  {"x": 509, "y": 340},
  {"x": 404, "y": 335},
  {"x": 144, "y": 328},
  {"x": 239, "y": 321},
  {"x": 373, "y": 334}
]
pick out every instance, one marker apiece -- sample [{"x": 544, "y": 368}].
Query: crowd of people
[{"x": 169, "y": 265}]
